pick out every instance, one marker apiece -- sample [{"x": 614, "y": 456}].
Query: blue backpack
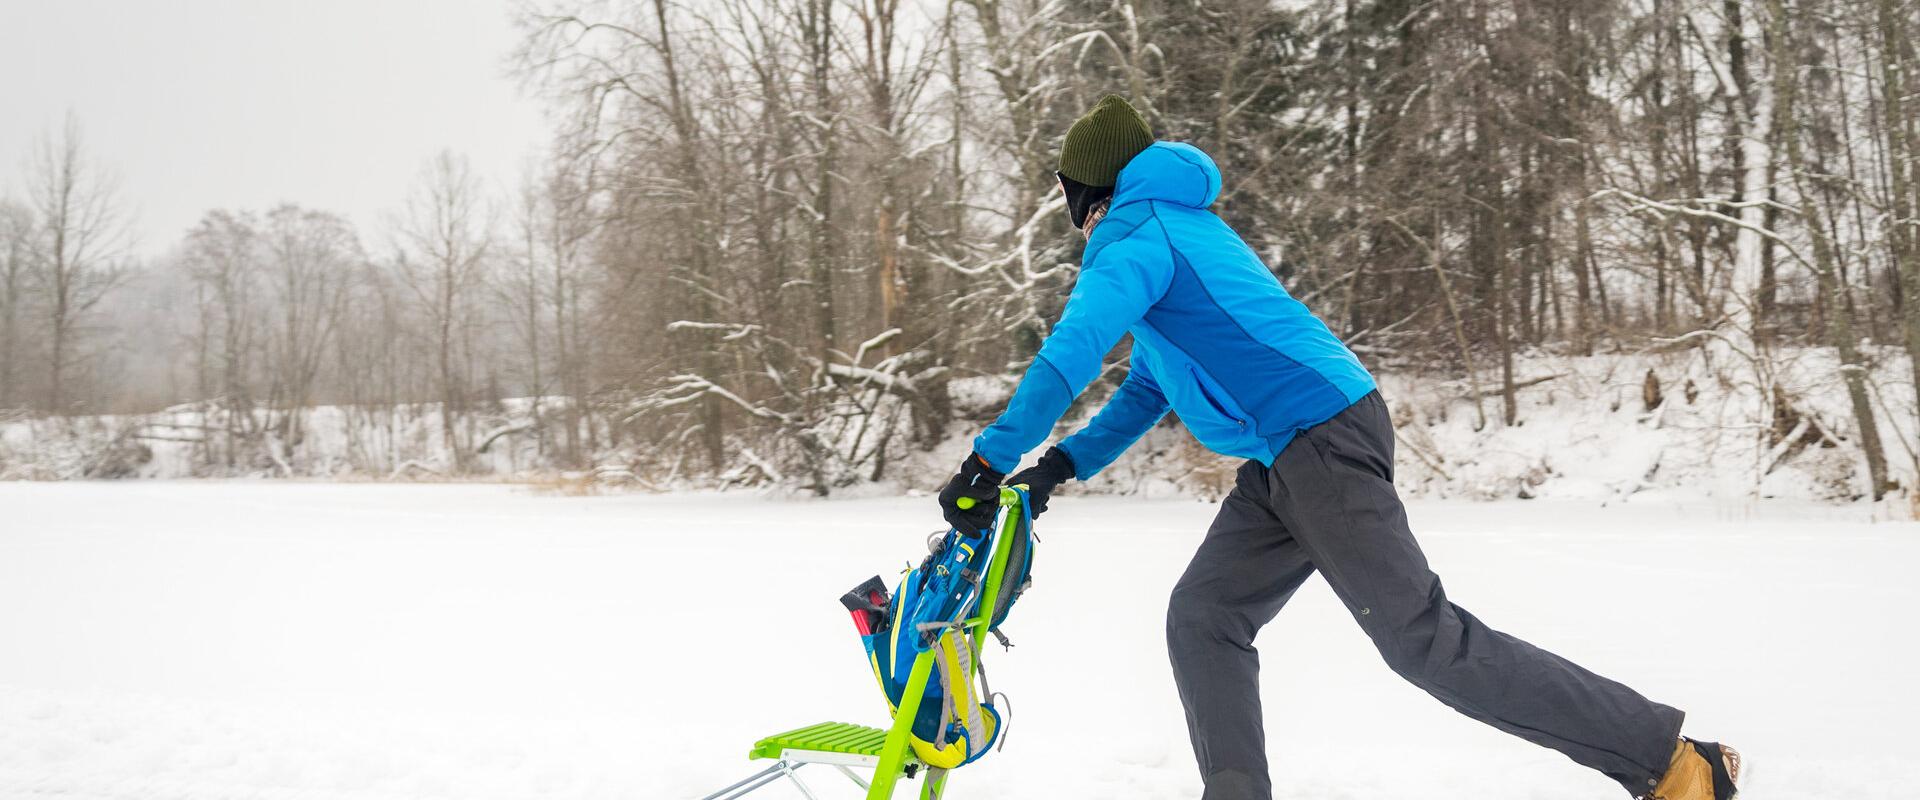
[{"x": 946, "y": 606}]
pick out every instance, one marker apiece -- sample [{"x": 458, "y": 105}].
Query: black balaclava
[{"x": 1081, "y": 199}]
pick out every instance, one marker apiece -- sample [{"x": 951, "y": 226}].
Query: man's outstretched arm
[
  {"x": 1114, "y": 291},
  {"x": 1133, "y": 410},
  {"x": 1116, "y": 287}
]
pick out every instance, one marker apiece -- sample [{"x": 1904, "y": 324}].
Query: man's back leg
[{"x": 1334, "y": 488}]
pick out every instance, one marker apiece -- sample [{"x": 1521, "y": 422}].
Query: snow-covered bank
[
  {"x": 402, "y": 441},
  {"x": 1604, "y": 428},
  {"x": 1681, "y": 425},
  {"x": 288, "y": 640}
]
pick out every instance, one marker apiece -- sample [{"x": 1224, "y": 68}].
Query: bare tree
[
  {"x": 446, "y": 234},
  {"x": 1812, "y": 183},
  {"x": 544, "y": 288},
  {"x": 568, "y": 224},
  {"x": 16, "y": 242},
  {"x": 1898, "y": 102},
  {"x": 523, "y": 286},
  {"x": 80, "y": 249},
  {"x": 222, "y": 260},
  {"x": 312, "y": 259}
]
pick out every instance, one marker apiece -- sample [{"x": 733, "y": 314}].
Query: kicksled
[{"x": 924, "y": 643}]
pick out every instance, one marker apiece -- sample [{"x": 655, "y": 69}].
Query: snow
[{"x": 302, "y": 640}]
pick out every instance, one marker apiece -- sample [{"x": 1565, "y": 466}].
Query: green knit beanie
[{"x": 1103, "y": 141}]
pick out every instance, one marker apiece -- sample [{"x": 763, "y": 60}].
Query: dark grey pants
[{"x": 1328, "y": 504}]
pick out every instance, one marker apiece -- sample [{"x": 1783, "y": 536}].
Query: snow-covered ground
[{"x": 289, "y": 640}]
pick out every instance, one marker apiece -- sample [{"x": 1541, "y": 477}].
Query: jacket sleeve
[
  {"x": 1115, "y": 289},
  {"x": 1133, "y": 409}
]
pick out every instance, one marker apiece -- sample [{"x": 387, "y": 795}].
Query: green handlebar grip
[{"x": 1008, "y": 497}]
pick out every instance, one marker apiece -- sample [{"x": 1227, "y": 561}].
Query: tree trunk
[
  {"x": 1895, "y": 77},
  {"x": 1831, "y": 283},
  {"x": 699, "y": 239}
]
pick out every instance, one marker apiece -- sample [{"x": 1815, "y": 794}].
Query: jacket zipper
[{"x": 1201, "y": 382}]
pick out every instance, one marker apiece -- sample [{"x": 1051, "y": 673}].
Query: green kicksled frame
[{"x": 846, "y": 747}]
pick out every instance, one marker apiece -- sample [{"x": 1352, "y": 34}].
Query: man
[{"x": 1254, "y": 374}]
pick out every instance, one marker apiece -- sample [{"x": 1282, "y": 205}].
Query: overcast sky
[{"x": 200, "y": 104}]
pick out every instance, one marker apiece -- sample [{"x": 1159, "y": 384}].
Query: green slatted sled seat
[
  {"x": 859, "y": 741},
  {"x": 837, "y": 744}
]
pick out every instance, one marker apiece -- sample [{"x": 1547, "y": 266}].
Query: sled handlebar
[{"x": 1008, "y": 497}]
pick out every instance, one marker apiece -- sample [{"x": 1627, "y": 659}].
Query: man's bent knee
[
  {"x": 1401, "y": 631},
  {"x": 1411, "y": 645},
  {"x": 1196, "y": 621}
]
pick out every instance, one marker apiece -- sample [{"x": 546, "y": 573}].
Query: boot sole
[{"x": 1739, "y": 768}]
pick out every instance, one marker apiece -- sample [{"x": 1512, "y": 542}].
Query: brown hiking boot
[{"x": 1699, "y": 771}]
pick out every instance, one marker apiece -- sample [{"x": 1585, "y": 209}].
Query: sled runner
[{"x": 924, "y": 644}]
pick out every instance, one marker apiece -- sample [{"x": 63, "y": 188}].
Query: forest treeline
[{"x": 791, "y": 240}]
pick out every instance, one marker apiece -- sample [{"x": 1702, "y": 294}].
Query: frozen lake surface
[{"x": 286, "y": 640}]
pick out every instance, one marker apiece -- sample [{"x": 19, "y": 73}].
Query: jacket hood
[{"x": 1174, "y": 172}]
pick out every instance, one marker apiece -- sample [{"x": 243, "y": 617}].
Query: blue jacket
[{"x": 1215, "y": 336}]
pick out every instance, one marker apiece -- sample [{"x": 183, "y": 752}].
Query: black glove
[
  {"x": 976, "y": 480},
  {"x": 1043, "y": 477}
]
